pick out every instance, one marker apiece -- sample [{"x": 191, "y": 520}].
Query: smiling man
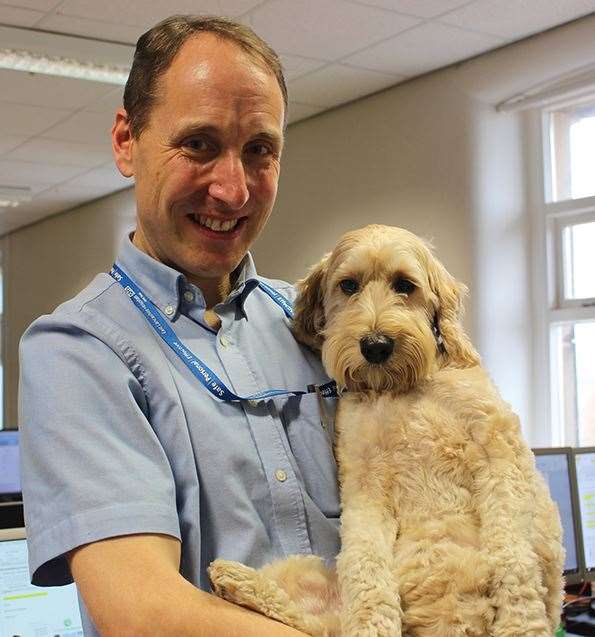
[{"x": 139, "y": 470}]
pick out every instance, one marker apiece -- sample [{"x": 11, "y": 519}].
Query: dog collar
[{"x": 438, "y": 335}]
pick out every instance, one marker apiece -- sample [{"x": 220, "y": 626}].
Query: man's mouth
[{"x": 216, "y": 225}]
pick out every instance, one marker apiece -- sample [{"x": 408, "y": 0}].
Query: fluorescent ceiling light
[
  {"x": 19, "y": 60},
  {"x": 11, "y": 197}
]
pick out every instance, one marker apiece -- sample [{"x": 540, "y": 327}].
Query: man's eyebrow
[
  {"x": 194, "y": 128},
  {"x": 197, "y": 128},
  {"x": 269, "y": 136}
]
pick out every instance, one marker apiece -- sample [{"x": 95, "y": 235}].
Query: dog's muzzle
[{"x": 376, "y": 349}]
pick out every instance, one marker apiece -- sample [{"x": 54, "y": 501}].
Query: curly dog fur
[{"x": 447, "y": 529}]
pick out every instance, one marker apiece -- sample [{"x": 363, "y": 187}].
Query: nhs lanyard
[{"x": 200, "y": 370}]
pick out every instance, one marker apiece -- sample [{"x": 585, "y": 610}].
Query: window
[{"x": 570, "y": 216}]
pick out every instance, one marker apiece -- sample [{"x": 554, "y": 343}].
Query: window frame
[{"x": 555, "y": 217}]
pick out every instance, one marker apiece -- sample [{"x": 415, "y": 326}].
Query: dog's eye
[
  {"x": 349, "y": 286},
  {"x": 403, "y": 286}
]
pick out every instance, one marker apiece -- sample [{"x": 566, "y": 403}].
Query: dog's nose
[{"x": 376, "y": 349}]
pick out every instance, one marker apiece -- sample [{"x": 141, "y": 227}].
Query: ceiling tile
[
  {"x": 19, "y": 17},
  {"x": 8, "y": 142},
  {"x": 109, "y": 103},
  {"x": 70, "y": 194},
  {"x": 23, "y": 172},
  {"x": 38, "y": 5},
  {"x": 299, "y": 111},
  {"x": 232, "y": 8},
  {"x": 83, "y": 127},
  {"x": 20, "y": 119},
  {"x": 337, "y": 84},
  {"x": 91, "y": 28},
  {"x": 60, "y": 152},
  {"x": 106, "y": 176},
  {"x": 40, "y": 208},
  {"x": 295, "y": 65},
  {"x": 49, "y": 91},
  {"x": 514, "y": 19},
  {"x": 140, "y": 13},
  {"x": 328, "y": 29},
  {"x": 418, "y": 8},
  {"x": 423, "y": 49}
]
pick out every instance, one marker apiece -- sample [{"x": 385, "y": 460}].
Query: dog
[{"x": 447, "y": 528}]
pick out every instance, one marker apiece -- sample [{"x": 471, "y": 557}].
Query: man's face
[{"x": 207, "y": 164}]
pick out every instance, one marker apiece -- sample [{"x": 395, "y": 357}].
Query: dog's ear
[
  {"x": 449, "y": 313},
  {"x": 308, "y": 319}
]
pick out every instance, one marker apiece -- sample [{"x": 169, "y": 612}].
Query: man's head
[
  {"x": 156, "y": 49},
  {"x": 203, "y": 143}
]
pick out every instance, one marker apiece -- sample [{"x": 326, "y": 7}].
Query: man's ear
[
  {"x": 122, "y": 143},
  {"x": 308, "y": 320}
]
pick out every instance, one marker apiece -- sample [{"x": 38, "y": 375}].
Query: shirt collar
[
  {"x": 246, "y": 281},
  {"x": 164, "y": 285}
]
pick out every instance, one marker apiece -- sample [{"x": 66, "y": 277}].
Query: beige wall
[
  {"x": 50, "y": 261},
  {"x": 432, "y": 155}
]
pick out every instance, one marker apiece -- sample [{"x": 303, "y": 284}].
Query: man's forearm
[{"x": 183, "y": 610}]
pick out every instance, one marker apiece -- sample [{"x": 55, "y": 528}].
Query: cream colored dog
[{"x": 447, "y": 529}]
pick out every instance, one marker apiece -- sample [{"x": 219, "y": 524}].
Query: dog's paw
[
  {"x": 230, "y": 580},
  {"x": 379, "y": 622},
  {"x": 374, "y": 631}
]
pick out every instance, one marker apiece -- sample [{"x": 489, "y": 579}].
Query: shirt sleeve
[{"x": 92, "y": 466}]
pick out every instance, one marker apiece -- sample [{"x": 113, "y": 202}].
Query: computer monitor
[
  {"x": 10, "y": 480},
  {"x": 584, "y": 458},
  {"x": 556, "y": 464},
  {"x": 26, "y": 610}
]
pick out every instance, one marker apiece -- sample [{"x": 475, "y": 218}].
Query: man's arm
[{"x": 132, "y": 588}]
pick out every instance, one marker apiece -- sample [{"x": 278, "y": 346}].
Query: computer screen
[
  {"x": 32, "y": 611},
  {"x": 556, "y": 466},
  {"x": 585, "y": 475},
  {"x": 10, "y": 481}
]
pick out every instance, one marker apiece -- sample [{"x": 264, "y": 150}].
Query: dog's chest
[{"x": 418, "y": 444}]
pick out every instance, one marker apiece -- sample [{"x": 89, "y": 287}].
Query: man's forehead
[
  {"x": 206, "y": 56},
  {"x": 211, "y": 73}
]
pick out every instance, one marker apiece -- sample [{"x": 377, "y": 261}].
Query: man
[{"x": 135, "y": 476}]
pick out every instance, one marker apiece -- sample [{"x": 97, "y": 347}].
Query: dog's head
[{"x": 383, "y": 311}]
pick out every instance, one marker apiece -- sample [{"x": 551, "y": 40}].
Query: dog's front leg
[
  {"x": 505, "y": 501},
  {"x": 369, "y": 593}
]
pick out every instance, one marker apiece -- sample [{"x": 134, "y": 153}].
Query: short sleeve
[{"x": 92, "y": 466}]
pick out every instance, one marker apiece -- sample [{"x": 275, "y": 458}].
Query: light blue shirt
[{"x": 118, "y": 437}]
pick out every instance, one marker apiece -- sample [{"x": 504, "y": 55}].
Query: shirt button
[
  {"x": 189, "y": 296},
  {"x": 280, "y": 475},
  {"x": 170, "y": 309},
  {"x": 224, "y": 342}
]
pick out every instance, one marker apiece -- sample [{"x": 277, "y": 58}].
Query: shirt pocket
[{"x": 310, "y": 434}]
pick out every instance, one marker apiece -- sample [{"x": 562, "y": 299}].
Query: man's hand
[{"x": 132, "y": 587}]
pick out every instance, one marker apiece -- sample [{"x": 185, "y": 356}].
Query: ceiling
[{"x": 54, "y": 132}]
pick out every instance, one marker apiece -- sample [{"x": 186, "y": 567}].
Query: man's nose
[{"x": 228, "y": 184}]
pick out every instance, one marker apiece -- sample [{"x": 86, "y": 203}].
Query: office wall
[{"x": 50, "y": 261}]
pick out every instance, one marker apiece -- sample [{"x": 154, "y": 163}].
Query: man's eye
[
  {"x": 197, "y": 144},
  {"x": 349, "y": 286},
  {"x": 403, "y": 286},
  {"x": 259, "y": 149}
]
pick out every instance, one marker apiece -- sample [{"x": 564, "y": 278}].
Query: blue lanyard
[{"x": 200, "y": 370}]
